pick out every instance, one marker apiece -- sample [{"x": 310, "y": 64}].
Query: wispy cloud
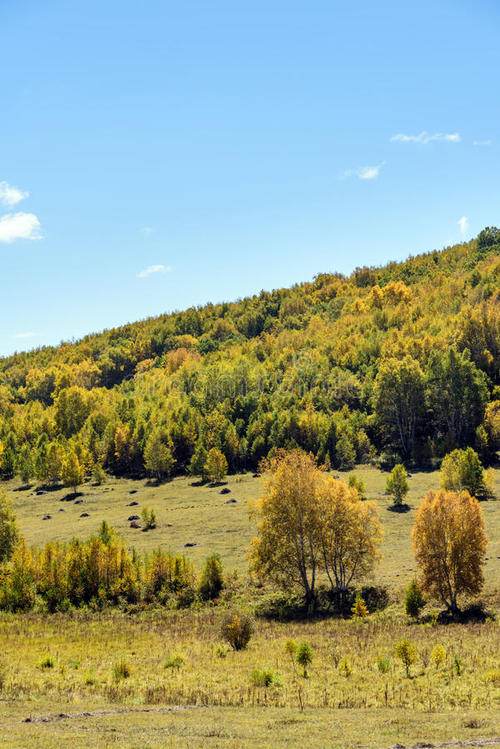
[
  {"x": 424, "y": 137},
  {"x": 363, "y": 172},
  {"x": 154, "y": 269},
  {"x": 19, "y": 226},
  {"x": 483, "y": 143},
  {"x": 463, "y": 224},
  {"x": 146, "y": 230},
  {"x": 10, "y": 195},
  {"x": 28, "y": 334}
]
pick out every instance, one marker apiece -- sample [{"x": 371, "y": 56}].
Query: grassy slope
[
  {"x": 429, "y": 706},
  {"x": 199, "y": 514}
]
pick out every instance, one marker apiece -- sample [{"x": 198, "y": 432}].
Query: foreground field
[
  {"x": 335, "y": 706},
  {"x": 159, "y": 678},
  {"x": 201, "y": 515}
]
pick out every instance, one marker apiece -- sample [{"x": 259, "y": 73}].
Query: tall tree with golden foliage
[
  {"x": 286, "y": 550},
  {"x": 450, "y": 544},
  {"x": 310, "y": 524}
]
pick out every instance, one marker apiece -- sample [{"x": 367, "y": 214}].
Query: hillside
[{"x": 399, "y": 361}]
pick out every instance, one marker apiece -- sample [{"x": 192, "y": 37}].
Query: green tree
[
  {"x": 304, "y": 656},
  {"x": 216, "y": 465},
  {"x": 407, "y": 653},
  {"x": 158, "y": 458},
  {"x": 462, "y": 470},
  {"x": 24, "y": 462},
  {"x": 198, "y": 461},
  {"x": 457, "y": 394},
  {"x": 414, "y": 600},
  {"x": 397, "y": 485},
  {"x": 212, "y": 578},
  {"x": 53, "y": 463},
  {"x": 8, "y": 529},
  {"x": 399, "y": 402}
]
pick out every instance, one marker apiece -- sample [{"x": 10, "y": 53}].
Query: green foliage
[
  {"x": 216, "y": 465},
  {"x": 397, "y": 485},
  {"x": 148, "y": 518},
  {"x": 384, "y": 664},
  {"x": 212, "y": 578},
  {"x": 414, "y": 600},
  {"x": 462, "y": 470},
  {"x": 354, "y": 482},
  {"x": 121, "y": 670},
  {"x": 264, "y": 677},
  {"x": 173, "y": 661},
  {"x": 8, "y": 528},
  {"x": 237, "y": 629},
  {"x": 304, "y": 655},
  {"x": 47, "y": 662},
  {"x": 400, "y": 359}
]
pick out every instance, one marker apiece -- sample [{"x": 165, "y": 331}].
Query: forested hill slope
[{"x": 402, "y": 359}]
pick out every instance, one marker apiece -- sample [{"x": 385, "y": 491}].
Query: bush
[
  {"x": 221, "y": 649},
  {"x": 384, "y": 664},
  {"x": 407, "y": 653},
  {"x": 397, "y": 485},
  {"x": 173, "y": 661},
  {"x": 376, "y": 597},
  {"x": 438, "y": 656},
  {"x": 280, "y": 606},
  {"x": 359, "y": 609},
  {"x": 148, "y": 518},
  {"x": 345, "y": 668},
  {"x": 47, "y": 662},
  {"x": 237, "y": 630},
  {"x": 414, "y": 600},
  {"x": 212, "y": 580},
  {"x": 121, "y": 670},
  {"x": 264, "y": 677},
  {"x": 304, "y": 656}
]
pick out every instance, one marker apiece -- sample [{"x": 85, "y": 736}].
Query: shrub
[
  {"x": 212, "y": 580},
  {"x": 237, "y": 630},
  {"x": 47, "y": 662},
  {"x": 354, "y": 482},
  {"x": 263, "y": 677},
  {"x": 345, "y": 668},
  {"x": 221, "y": 649},
  {"x": 438, "y": 655},
  {"x": 407, "y": 653},
  {"x": 173, "y": 661},
  {"x": 414, "y": 600},
  {"x": 121, "y": 670},
  {"x": 304, "y": 656},
  {"x": 148, "y": 518},
  {"x": 376, "y": 597},
  {"x": 457, "y": 664},
  {"x": 397, "y": 485},
  {"x": 359, "y": 609},
  {"x": 384, "y": 664}
]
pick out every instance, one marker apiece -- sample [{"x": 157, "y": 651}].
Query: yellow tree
[
  {"x": 349, "y": 531},
  {"x": 72, "y": 471},
  {"x": 449, "y": 541},
  {"x": 286, "y": 550}
]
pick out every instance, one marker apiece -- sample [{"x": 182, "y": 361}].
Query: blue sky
[{"x": 155, "y": 155}]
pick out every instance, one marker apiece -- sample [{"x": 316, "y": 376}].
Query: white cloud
[
  {"x": 28, "y": 334},
  {"x": 463, "y": 224},
  {"x": 424, "y": 137},
  {"x": 10, "y": 195},
  {"x": 363, "y": 172},
  {"x": 484, "y": 143},
  {"x": 19, "y": 226},
  {"x": 154, "y": 269},
  {"x": 146, "y": 230}
]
